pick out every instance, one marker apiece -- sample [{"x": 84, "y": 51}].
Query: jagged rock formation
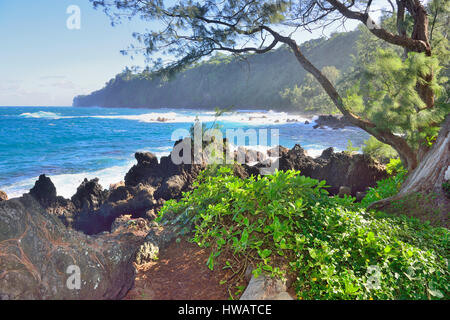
[
  {"x": 92, "y": 210},
  {"x": 168, "y": 179},
  {"x": 332, "y": 121},
  {"x": 150, "y": 182},
  {"x": 356, "y": 171},
  {"x": 44, "y": 191},
  {"x": 89, "y": 196},
  {"x": 37, "y": 255}
]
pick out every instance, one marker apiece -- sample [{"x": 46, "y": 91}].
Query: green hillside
[{"x": 224, "y": 81}]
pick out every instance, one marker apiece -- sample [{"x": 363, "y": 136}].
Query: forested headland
[{"x": 265, "y": 81}]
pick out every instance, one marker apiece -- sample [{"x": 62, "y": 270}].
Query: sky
[{"x": 44, "y": 63}]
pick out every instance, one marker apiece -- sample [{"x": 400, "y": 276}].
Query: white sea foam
[
  {"x": 251, "y": 118},
  {"x": 314, "y": 153},
  {"x": 67, "y": 184},
  {"x": 41, "y": 115},
  {"x": 247, "y": 117},
  {"x": 161, "y": 154}
]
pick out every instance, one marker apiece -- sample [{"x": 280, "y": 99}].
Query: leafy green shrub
[
  {"x": 286, "y": 224},
  {"x": 385, "y": 188},
  {"x": 378, "y": 150},
  {"x": 395, "y": 167}
]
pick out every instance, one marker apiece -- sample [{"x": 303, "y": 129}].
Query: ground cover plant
[{"x": 287, "y": 225}]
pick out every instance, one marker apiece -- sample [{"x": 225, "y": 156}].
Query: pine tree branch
[{"x": 400, "y": 40}]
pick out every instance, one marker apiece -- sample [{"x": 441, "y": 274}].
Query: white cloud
[
  {"x": 37, "y": 93},
  {"x": 64, "y": 84}
]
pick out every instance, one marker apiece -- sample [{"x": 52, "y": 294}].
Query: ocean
[{"x": 69, "y": 144}]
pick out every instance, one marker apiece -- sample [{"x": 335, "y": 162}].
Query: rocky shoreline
[
  {"x": 332, "y": 121},
  {"x": 108, "y": 231}
]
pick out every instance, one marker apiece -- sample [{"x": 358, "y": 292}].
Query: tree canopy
[{"x": 192, "y": 30}]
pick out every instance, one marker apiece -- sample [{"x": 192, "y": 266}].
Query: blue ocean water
[{"x": 69, "y": 144}]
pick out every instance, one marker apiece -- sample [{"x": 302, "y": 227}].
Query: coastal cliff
[{"x": 224, "y": 81}]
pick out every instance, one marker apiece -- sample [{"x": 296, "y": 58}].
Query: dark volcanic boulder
[
  {"x": 40, "y": 257},
  {"x": 44, "y": 191},
  {"x": 357, "y": 171},
  {"x": 171, "y": 187},
  {"x": 251, "y": 170},
  {"x": 327, "y": 153},
  {"x": 134, "y": 201},
  {"x": 90, "y": 195},
  {"x": 169, "y": 179},
  {"x": 145, "y": 171},
  {"x": 146, "y": 158},
  {"x": 332, "y": 121},
  {"x": 119, "y": 194},
  {"x": 3, "y": 196},
  {"x": 296, "y": 159}
]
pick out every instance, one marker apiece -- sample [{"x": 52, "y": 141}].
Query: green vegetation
[
  {"x": 252, "y": 81},
  {"x": 350, "y": 149},
  {"x": 287, "y": 225},
  {"x": 387, "y": 95},
  {"x": 310, "y": 96},
  {"x": 387, "y": 187},
  {"x": 378, "y": 150},
  {"x": 395, "y": 90}
]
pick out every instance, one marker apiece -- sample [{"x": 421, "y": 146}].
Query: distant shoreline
[{"x": 233, "y": 109}]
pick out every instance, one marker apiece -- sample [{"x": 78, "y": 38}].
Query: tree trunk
[
  {"x": 428, "y": 179},
  {"x": 430, "y": 174}
]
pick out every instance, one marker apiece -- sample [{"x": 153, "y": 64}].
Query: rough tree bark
[{"x": 428, "y": 179}]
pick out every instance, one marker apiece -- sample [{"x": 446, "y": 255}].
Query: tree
[
  {"x": 378, "y": 150},
  {"x": 310, "y": 96},
  {"x": 427, "y": 187},
  {"x": 192, "y": 30}
]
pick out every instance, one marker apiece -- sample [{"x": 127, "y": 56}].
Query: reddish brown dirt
[{"x": 181, "y": 273}]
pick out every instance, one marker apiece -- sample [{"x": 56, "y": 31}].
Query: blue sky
[{"x": 43, "y": 63}]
